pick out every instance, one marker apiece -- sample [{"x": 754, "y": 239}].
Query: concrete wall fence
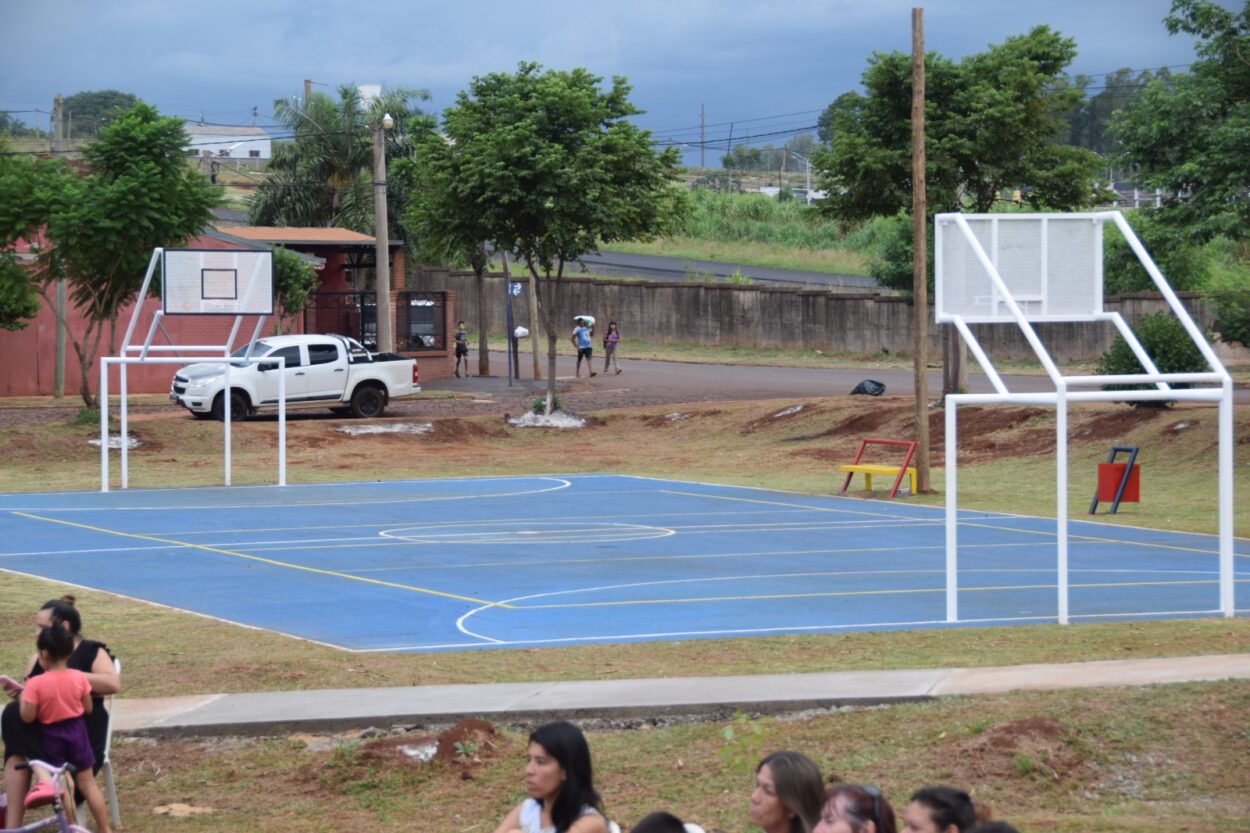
[{"x": 778, "y": 317}]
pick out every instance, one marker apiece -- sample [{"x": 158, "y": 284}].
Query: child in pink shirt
[{"x": 59, "y": 699}]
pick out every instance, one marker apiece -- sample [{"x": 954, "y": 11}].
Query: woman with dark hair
[
  {"x": 939, "y": 810},
  {"x": 560, "y": 784},
  {"x": 22, "y": 740},
  {"x": 855, "y": 808},
  {"x": 788, "y": 794}
]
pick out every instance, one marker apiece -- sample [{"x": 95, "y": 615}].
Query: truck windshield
[{"x": 260, "y": 349}]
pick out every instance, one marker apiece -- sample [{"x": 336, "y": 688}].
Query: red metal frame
[{"x": 910, "y": 445}]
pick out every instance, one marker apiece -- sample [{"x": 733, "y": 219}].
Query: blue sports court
[{"x": 545, "y": 560}]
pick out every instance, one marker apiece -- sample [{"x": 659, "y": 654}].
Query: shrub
[
  {"x": 539, "y": 405},
  {"x": 1181, "y": 261},
  {"x": 1228, "y": 291},
  {"x": 1167, "y": 343}
]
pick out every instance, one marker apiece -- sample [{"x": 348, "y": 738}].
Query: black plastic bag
[{"x": 869, "y": 387}]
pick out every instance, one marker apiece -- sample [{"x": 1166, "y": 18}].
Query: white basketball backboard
[
  {"x": 217, "y": 282},
  {"x": 1050, "y": 264}
]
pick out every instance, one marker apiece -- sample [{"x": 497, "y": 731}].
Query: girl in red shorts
[{"x": 60, "y": 699}]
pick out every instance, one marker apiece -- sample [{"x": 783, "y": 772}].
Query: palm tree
[{"x": 323, "y": 176}]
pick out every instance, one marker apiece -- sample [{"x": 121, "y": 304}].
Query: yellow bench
[{"x": 868, "y": 470}]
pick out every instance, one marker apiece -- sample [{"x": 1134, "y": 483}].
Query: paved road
[
  {"x": 654, "y": 381},
  {"x": 676, "y": 269},
  {"x": 647, "y": 382}
]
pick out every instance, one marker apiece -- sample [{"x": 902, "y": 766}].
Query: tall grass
[{"x": 756, "y": 218}]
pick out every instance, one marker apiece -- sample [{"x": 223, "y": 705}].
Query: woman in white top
[{"x": 562, "y": 797}]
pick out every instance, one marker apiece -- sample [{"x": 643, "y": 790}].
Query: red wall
[{"x": 30, "y": 354}]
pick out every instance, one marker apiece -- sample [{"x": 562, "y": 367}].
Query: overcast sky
[{"x": 766, "y": 65}]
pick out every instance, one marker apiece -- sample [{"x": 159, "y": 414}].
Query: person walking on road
[
  {"x": 462, "y": 349},
  {"x": 610, "y": 340},
  {"x": 583, "y": 340}
]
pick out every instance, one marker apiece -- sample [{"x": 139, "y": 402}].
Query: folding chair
[{"x": 106, "y": 767}]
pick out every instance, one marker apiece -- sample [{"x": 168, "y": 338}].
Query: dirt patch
[
  {"x": 464, "y": 748},
  {"x": 781, "y": 416},
  {"x": 461, "y": 430},
  {"x": 1030, "y": 748},
  {"x": 675, "y": 417},
  {"x": 1114, "y": 424}
]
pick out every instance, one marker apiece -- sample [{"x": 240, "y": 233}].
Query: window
[
  {"x": 223, "y": 152},
  {"x": 255, "y": 154},
  {"x": 291, "y": 354},
  {"x": 322, "y": 353}
]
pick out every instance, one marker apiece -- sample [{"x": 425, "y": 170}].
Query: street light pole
[{"x": 382, "y": 254}]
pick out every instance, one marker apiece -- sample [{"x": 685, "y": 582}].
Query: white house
[{"x": 228, "y": 141}]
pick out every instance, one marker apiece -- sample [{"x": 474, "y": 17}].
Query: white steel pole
[
  {"x": 1227, "y": 600},
  {"x": 952, "y": 521},
  {"x": 226, "y": 406},
  {"x": 1061, "y": 497},
  {"x": 104, "y": 425},
  {"x": 282, "y": 422},
  {"x": 125, "y": 456}
]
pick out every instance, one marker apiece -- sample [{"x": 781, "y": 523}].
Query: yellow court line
[
  {"x": 787, "y": 505},
  {"x": 1097, "y": 539},
  {"x": 629, "y": 602},
  {"x": 262, "y": 560}
]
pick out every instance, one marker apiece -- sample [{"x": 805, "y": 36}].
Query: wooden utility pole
[
  {"x": 307, "y": 93},
  {"x": 920, "y": 284},
  {"x": 58, "y": 366},
  {"x": 702, "y": 138}
]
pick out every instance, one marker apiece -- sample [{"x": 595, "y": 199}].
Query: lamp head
[{"x": 387, "y": 121}]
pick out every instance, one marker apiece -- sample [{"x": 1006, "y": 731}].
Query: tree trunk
[{"x": 483, "y": 321}]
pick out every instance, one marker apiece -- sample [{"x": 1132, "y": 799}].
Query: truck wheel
[
  {"x": 238, "y": 407},
  {"x": 368, "y": 401}
]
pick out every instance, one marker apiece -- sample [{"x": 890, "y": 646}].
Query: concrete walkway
[{"x": 338, "y": 709}]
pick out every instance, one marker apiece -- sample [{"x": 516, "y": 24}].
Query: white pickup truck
[{"x": 321, "y": 370}]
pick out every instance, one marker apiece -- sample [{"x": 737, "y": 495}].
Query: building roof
[
  {"x": 306, "y": 236},
  {"x": 224, "y": 130}
]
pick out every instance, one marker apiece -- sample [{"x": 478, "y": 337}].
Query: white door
[
  {"x": 296, "y": 376},
  {"x": 327, "y": 371}
]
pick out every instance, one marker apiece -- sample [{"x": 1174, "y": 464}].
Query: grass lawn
[{"x": 773, "y": 255}]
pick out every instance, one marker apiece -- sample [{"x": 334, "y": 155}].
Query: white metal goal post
[
  {"x": 1024, "y": 269},
  {"x": 195, "y": 282}
]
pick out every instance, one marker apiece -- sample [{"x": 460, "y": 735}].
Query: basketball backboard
[{"x": 217, "y": 282}]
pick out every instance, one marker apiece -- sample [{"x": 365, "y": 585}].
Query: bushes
[
  {"x": 1228, "y": 291},
  {"x": 1164, "y": 339},
  {"x": 755, "y": 218}
]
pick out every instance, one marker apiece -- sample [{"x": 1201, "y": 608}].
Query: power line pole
[
  {"x": 307, "y": 91},
  {"x": 702, "y": 140},
  {"x": 920, "y": 283},
  {"x": 58, "y": 362},
  {"x": 57, "y": 125}
]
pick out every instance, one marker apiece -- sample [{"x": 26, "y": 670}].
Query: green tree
[
  {"x": 135, "y": 193},
  {"x": 293, "y": 281},
  {"x": 14, "y": 127},
  {"x": 86, "y": 112},
  {"x": 551, "y": 160},
  {"x": 324, "y": 175},
  {"x": 1188, "y": 133},
  {"x": 993, "y": 123},
  {"x": 23, "y": 211},
  {"x": 443, "y": 221}
]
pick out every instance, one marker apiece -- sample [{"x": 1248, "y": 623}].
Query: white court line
[
  {"x": 729, "y": 632},
  {"x": 560, "y": 485},
  {"x": 917, "y": 506},
  {"x": 512, "y": 603}
]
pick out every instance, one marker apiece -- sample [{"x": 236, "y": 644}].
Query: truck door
[
  {"x": 296, "y": 377},
  {"x": 327, "y": 372}
]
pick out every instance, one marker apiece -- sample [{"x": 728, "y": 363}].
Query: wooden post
[{"x": 920, "y": 287}]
